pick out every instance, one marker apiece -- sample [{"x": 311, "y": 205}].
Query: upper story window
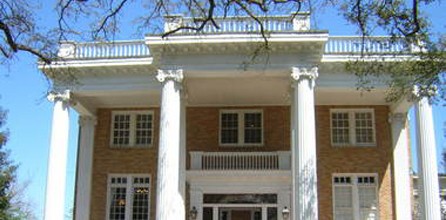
[
  {"x": 352, "y": 127},
  {"x": 241, "y": 127},
  {"x": 132, "y": 128},
  {"x": 128, "y": 197},
  {"x": 355, "y": 196}
]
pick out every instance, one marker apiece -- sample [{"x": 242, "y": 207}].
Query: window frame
[
  {"x": 356, "y": 209},
  {"x": 129, "y": 186},
  {"x": 132, "y": 128},
  {"x": 352, "y": 127},
  {"x": 241, "y": 127}
]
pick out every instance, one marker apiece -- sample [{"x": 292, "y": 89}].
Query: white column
[
  {"x": 305, "y": 204},
  {"x": 183, "y": 153},
  {"x": 169, "y": 201},
  {"x": 427, "y": 162},
  {"x": 57, "y": 161},
  {"x": 84, "y": 167},
  {"x": 401, "y": 166},
  {"x": 196, "y": 200}
]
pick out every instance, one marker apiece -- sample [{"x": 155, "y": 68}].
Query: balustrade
[
  {"x": 240, "y": 160},
  {"x": 103, "y": 50}
]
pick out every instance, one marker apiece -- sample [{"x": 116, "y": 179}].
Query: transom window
[
  {"x": 128, "y": 197},
  {"x": 132, "y": 128},
  {"x": 355, "y": 197},
  {"x": 241, "y": 127},
  {"x": 352, "y": 127}
]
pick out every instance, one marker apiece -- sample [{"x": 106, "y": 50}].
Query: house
[{"x": 201, "y": 126}]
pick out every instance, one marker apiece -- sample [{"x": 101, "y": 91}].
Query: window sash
[
  {"x": 128, "y": 198},
  {"x": 245, "y": 127},
  {"x": 135, "y": 131},
  {"x": 352, "y": 127},
  {"x": 362, "y": 191}
]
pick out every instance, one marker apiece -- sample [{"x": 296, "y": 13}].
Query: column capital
[
  {"x": 397, "y": 117},
  {"x": 304, "y": 71},
  {"x": 85, "y": 120},
  {"x": 176, "y": 75},
  {"x": 419, "y": 92},
  {"x": 55, "y": 96}
]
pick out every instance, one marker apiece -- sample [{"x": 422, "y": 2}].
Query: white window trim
[
  {"x": 132, "y": 135},
  {"x": 241, "y": 130},
  {"x": 351, "y": 120},
  {"x": 355, "y": 195},
  {"x": 129, "y": 193}
]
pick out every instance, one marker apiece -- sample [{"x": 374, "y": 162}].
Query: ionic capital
[
  {"x": 419, "y": 92},
  {"x": 85, "y": 120},
  {"x": 176, "y": 75},
  {"x": 398, "y": 118},
  {"x": 308, "y": 72},
  {"x": 54, "y": 96}
]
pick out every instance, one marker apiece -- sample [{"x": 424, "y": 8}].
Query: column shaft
[
  {"x": 169, "y": 201},
  {"x": 57, "y": 161},
  {"x": 305, "y": 201},
  {"x": 427, "y": 162},
  {"x": 401, "y": 168},
  {"x": 84, "y": 167}
]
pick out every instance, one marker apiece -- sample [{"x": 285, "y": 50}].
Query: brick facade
[{"x": 202, "y": 135}]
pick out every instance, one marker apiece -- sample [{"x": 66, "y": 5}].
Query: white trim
[
  {"x": 355, "y": 196},
  {"x": 352, "y": 126},
  {"x": 132, "y": 129},
  {"x": 241, "y": 128},
  {"x": 129, "y": 194}
]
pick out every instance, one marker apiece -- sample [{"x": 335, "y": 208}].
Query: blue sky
[{"x": 23, "y": 94}]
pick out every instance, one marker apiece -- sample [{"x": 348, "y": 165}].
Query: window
[
  {"x": 132, "y": 128},
  {"x": 241, "y": 127},
  {"x": 355, "y": 197},
  {"x": 128, "y": 197},
  {"x": 352, "y": 127}
]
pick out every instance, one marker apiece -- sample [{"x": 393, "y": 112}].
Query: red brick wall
[{"x": 202, "y": 135}]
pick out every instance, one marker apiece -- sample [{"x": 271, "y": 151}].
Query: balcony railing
[
  {"x": 368, "y": 45},
  {"x": 137, "y": 49},
  {"x": 241, "y": 24},
  {"x": 104, "y": 50},
  {"x": 280, "y": 160}
]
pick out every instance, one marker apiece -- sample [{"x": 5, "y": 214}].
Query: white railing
[
  {"x": 368, "y": 45},
  {"x": 241, "y": 24},
  {"x": 280, "y": 160},
  {"x": 104, "y": 50}
]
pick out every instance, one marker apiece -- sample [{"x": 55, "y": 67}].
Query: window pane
[
  {"x": 253, "y": 128},
  {"x": 117, "y": 203},
  {"x": 367, "y": 202},
  {"x": 143, "y": 129},
  {"x": 364, "y": 128},
  {"x": 272, "y": 213},
  {"x": 340, "y": 128},
  {"x": 343, "y": 202},
  {"x": 229, "y": 128},
  {"x": 140, "y": 203},
  {"x": 121, "y": 129},
  {"x": 208, "y": 213}
]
